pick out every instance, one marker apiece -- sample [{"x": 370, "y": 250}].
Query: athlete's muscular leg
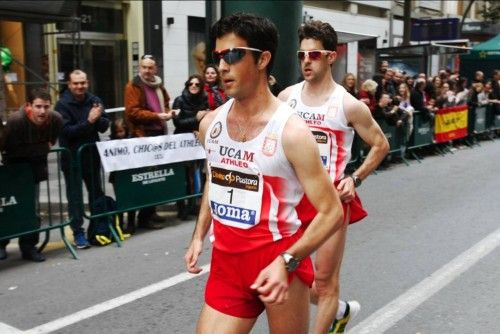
[
  {"x": 293, "y": 315},
  {"x": 213, "y": 321},
  {"x": 325, "y": 292}
]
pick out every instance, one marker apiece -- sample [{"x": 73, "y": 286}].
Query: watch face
[
  {"x": 291, "y": 263},
  {"x": 357, "y": 180}
]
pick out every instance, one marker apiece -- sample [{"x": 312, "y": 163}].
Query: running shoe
[
  {"x": 80, "y": 241},
  {"x": 338, "y": 325}
]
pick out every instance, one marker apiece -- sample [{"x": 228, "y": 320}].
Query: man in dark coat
[
  {"x": 83, "y": 119},
  {"x": 27, "y": 138}
]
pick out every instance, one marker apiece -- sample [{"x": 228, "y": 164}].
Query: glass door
[{"x": 103, "y": 61}]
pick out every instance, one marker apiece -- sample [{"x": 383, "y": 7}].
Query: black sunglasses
[
  {"x": 233, "y": 55},
  {"x": 197, "y": 84}
]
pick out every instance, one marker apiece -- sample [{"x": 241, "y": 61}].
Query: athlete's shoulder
[{"x": 285, "y": 93}]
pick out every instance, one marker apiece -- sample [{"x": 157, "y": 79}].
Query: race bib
[
  {"x": 325, "y": 147},
  {"x": 235, "y": 195}
]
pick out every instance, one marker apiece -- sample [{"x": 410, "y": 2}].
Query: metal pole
[{"x": 407, "y": 22}]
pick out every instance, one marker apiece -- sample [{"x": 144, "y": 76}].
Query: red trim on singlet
[
  {"x": 278, "y": 186},
  {"x": 341, "y": 154}
]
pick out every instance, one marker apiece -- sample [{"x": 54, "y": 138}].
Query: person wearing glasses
[
  {"x": 261, "y": 157},
  {"x": 333, "y": 116},
  {"x": 147, "y": 110},
  {"x": 193, "y": 106}
]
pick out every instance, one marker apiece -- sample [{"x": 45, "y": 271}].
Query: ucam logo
[{"x": 232, "y": 213}]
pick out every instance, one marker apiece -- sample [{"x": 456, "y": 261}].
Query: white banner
[{"x": 149, "y": 151}]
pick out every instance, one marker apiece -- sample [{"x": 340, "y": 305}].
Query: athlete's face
[
  {"x": 315, "y": 69},
  {"x": 240, "y": 77}
]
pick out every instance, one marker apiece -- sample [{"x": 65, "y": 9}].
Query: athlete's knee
[{"x": 326, "y": 285}]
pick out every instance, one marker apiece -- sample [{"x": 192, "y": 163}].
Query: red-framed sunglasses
[{"x": 313, "y": 54}]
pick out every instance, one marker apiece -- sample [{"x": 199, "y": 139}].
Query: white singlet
[
  {"x": 329, "y": 126},
  {"x": 253, "y": 188}
]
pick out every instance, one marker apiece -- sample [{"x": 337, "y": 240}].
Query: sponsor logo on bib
[
  {"x": 234, "y": 179},
  {"x": 233, "y": 213},
  {"x": 321, "y": 137}
]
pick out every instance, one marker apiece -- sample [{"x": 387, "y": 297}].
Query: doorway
[{"x": 104, "y": 63}]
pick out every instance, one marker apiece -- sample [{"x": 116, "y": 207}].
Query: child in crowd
[{"x": 119, "y": 131}]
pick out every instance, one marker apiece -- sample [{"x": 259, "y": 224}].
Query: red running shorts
[{"x": 231, "y": 275}]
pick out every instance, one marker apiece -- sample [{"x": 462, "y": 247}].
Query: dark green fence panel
[
  {"x": 480, "y": 120},
  {"x": 17, "y": 200},
  {"x": 18, "y": 212},
  {"x": 146, "y": 186},
  {"x": 423, "y": 131}
]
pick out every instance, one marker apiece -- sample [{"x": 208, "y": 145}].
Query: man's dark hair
[
  {"x": 38, "y": 93},
  {"x": 320, "y": 31},
  {"x": 258, "y": 32}
]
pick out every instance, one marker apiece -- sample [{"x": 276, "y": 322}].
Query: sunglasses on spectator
[
  {"x": 196, "y": 84},
  {"x": 313, "y": 54},
  {"x": 233, "y": 55}
]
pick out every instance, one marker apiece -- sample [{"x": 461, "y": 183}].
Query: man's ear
[
  {"x": 264, "y": 60},
  {"x": 332, "y": 56}
]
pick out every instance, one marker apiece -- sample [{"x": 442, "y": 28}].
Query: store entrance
[{"x": 103, "y": 61}]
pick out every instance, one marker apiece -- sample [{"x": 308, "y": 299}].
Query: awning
[
  {"x": 347, "y": 37},
  {"x": 40, "y": 11}
]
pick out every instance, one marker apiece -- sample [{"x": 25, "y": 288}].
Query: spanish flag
[{"x": 451, "y": 123}]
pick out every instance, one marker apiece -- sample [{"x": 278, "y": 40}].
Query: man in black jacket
[
  {"x": 83, "y": 119},
  {"x": 27, "y": 138}
]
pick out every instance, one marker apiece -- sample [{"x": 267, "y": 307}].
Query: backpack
[{"x": 99, "y": 232}]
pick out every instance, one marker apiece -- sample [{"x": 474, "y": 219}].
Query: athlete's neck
[
  {"x": 318, "y": 92},
  {"x": 260, "y": 99}
]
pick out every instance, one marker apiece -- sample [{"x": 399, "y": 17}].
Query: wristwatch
[
  {"x": 357, "y": 181},
  {"x": 291, "y": 263}
]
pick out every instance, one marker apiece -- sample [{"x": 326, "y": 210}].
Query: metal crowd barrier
[
  {"x": 137, "y": 188},
  {"x": 19, "y": 213},
  {"x": 422, "y": 134},
  {"x": 396, "y": 138}
]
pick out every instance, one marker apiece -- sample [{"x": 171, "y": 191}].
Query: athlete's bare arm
[
  {"x": 360, "y": 118},
  {"x": 204, "y": 217},
  {"x": 302, "y": 152}
]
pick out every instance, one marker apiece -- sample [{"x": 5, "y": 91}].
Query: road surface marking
[
  {"x": 390, "y": 314},
  {"x": 6, "y": 329},
  {"x": 113, "y": 303}
]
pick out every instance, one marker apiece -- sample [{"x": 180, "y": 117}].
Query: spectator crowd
[{"x": 392, "y": 96}]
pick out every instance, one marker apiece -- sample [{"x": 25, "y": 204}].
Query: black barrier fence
[{"x": 28, "y": 207}]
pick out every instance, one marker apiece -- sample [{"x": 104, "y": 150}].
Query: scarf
[{"x": 155, "y": 85}]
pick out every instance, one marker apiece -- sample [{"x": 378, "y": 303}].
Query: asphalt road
[{"x": 426, "y": 260}]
